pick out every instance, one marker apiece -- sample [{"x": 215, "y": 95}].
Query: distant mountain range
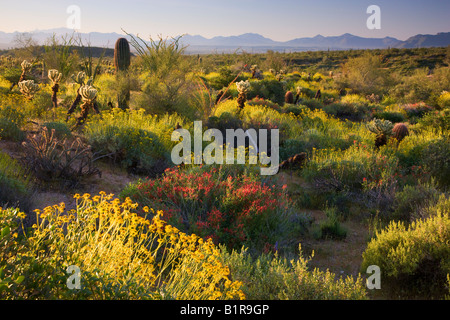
[{"x": 251, "y": 42}]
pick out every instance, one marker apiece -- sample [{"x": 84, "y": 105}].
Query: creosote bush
[
  {"x": 414, "y": 259},
  {"x": 271, "y": 277}
]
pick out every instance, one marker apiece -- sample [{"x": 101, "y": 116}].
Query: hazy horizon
[{"x": 280, "y": 21}]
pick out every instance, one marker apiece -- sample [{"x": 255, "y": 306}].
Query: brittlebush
[{"x": 124, "y": 256}]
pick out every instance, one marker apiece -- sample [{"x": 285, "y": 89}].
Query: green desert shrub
[
  {"x": 270, "y": 277},
  {"x": 413, "y": 199},
  {"x": 268, "y": 89},
  {"x": 436, "y": 158},
  {"x": 350, "y": 111},
  {"x": 415, "y": 259},
  {"x": 15, "y": 185},
  {"x": 62, "y": 131},
  {"x": 133, "y": 139},
  {"x": 331, "y": 227},
  {"x": 394, "y": 117},
  {"x": 438, "y": 121},
  {"x": 10, "y": 131}
]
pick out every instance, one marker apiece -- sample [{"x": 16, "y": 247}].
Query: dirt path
[{"x": 342, "y": 257}]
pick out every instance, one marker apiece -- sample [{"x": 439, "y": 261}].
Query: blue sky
[{"x": 279, "y": 20}]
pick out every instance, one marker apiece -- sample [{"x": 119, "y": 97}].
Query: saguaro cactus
[
  {"x": 122, "y": 55},
  {"x": 122, "y": 60},
  {"x": 55, "y": 78}
]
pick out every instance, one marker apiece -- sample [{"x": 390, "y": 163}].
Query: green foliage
[
  {"x": 268, "y": 89},
  {"x": 15, "y": 185},
  {"x": 270, "y": 277},
  {"x": 414, "y": 259},
  {"x": 165, "y": 85},
  {"x": 438, "y": 121},
  {"x": 331, "y": 228},
  {"x": 393, "y": 117},
  {"x": 10, "y": 131},
  {"x": 350, "y": 111},
  {"x": 62, "y": 131},
  {"x": 365, "y": 74},
  {"x": 134, "y": 140},
  {"x": 411, "y": 202},
  {"x": 58, "y": 54},
  {"x": 436, "y": 158}
]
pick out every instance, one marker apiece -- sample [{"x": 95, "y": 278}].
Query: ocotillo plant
[
  {"x": 79, "y": 78},
  {"x": 28, "y": 88},
  {"x": 122, "y": 60},
  {"x": 55, "y": 78},
  {"x": 242, "y": 88},
  {"x": 88, "y": 95}
]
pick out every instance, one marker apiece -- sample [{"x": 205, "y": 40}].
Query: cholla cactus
[
  {"x": 79, "y": 78},
  {"x": 297, "y": 94},
  {"x": 383, "y": 130},
  {"x": 28, "y": 88},
  {"x": 26, "y": 66},
  {"x": 55, "y": 78},
  {"x": 242, "y": 88},
  {"x": 88, "y": 93}
]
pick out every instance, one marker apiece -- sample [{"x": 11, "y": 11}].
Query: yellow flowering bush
[{"x": 124, "y": 256}]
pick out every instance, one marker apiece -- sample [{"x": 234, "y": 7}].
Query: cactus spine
[{"x": 122, "y": 60}]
